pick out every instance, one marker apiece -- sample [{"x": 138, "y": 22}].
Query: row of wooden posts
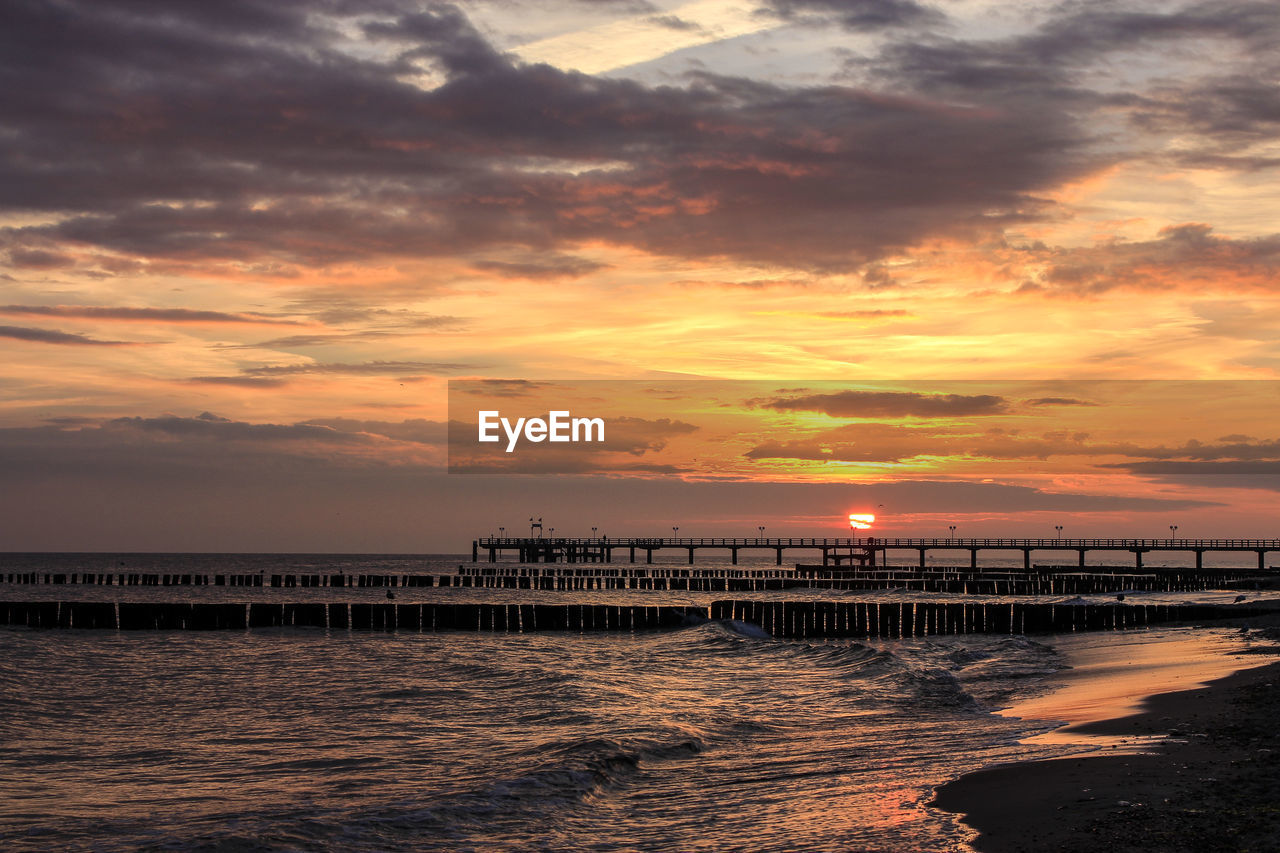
[
  {"x": 792, "y": 619},
  {"x": 1057, "y": 581}
]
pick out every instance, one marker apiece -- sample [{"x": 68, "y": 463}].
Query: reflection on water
[
  {"x": 701, "y": 739},
  {"x": 1109, "y": 676}
]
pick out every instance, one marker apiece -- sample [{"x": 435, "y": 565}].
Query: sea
[{"x": 711, "y": 737}]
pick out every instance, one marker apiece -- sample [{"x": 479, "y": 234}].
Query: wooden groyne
[
  {"x": 1056, "y": 580},
  {"x": 1041, "y": 580},
  {"x": 789, "y": 619}
]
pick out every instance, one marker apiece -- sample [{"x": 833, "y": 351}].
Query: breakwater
[
  {"x": 791, "y": 619},
  {"x": 1041, "y": 580}
]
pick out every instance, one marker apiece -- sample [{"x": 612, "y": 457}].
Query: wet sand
[{"x": 1192, "y": 770}]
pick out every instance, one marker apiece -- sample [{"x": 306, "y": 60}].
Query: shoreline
[{"x": 1205, "y": 782}]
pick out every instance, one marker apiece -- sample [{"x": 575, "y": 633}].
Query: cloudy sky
[{"x": 244, "y": 247}]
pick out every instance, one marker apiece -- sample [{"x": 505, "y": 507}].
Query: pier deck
[{"x": 836, "y": 550}]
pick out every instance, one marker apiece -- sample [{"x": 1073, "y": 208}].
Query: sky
[{"x": 245, "y": 247}]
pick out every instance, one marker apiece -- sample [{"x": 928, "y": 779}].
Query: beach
[{"x": 1193, "y": 769}]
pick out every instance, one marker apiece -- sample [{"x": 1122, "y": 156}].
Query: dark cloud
[
  {"x": 1059, "y": 401},
  {"x": 1240, "y": 451},
  {"x": 50, "y": 336},
  {"x": 256, "y": 139},
  {"x": 215, "y": 428},
  {"x": 1054, "y": 57},
  {"x": 1184, "y": 256},
  {"x": 1234, "y": 468},
  {"x": 39, "y": 259},
  {"x": 855, "y": 14},
  {"x": 161, "y": 315},
  {"x": 552, "y": 267},
  {"x": 675, "y": 22},
  {"x": 201, "y": 441},
  {"x": 1070, "y": 60},
  {"x": 891, "y": 404}
]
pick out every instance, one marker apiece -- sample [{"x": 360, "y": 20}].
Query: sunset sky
[{"x": 245, "y": 245}]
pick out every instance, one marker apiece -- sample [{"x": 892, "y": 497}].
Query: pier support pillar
[
  {"x": 648, "y": 555},
  {"x": 633, "y": 553},
  {"x": 779, "y": 557},
  {"x": 1081, "y": 552},
  {"x": 475, "y": 551},
  {"x": 691, "y": 555},
  {"x": 1199, "y": 559},
  {"x": 921, "y": 550},
  {"x": 825, "y": 556},
  {"x": 1138, "y": 555},
  {"x": 1262, "y": 563},
  {"x": 1026, "y": 558},
  {"x": 973, "y": 558},
  {"x": 735, "y": 555}
]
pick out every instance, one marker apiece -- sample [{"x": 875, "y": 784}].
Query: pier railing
[{"x": 877, "y": 542}]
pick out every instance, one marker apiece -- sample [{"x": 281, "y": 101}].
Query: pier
[{"x": 866, "y": 551}]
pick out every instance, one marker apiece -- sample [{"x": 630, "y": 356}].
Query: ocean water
[{"x": 711, "y": 737}]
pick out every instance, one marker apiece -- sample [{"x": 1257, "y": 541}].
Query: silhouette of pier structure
[{"x": 854, "y": 551}]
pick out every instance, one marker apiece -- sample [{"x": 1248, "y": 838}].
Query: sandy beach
[{"x": 1192, "y": 769}]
